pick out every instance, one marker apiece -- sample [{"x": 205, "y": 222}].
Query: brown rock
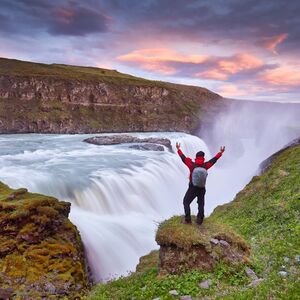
[{"x": 128, "y": 139}]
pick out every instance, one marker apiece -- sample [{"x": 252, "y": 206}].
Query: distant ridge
[{"x": 58, "y": 98}]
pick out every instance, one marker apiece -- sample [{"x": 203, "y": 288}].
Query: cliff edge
[
  {"x": 263, "y": 216},
  {"x": 69, "y": 99},
  {"x": 41, "y": 254}
]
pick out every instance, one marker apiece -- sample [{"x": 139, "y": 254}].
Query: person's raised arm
[
  {"x": 185, "y": 159},
  {"x": 212, "y": 161}
]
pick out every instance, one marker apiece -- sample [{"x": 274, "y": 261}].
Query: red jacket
[{"x": 198, "y": 161}]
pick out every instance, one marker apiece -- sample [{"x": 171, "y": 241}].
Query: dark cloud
[
  {"x": 98, "y": 31},
  {"x": 55, "y": 17},
  {"x": 77, "y": 21},
  {"x": 247, "y": 20},
  {"x": 233, "y": 20}
]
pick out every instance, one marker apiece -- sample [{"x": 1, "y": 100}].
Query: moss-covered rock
[
  {"x": 192, "y": 247},
  {"x": 41, "y": 254}
]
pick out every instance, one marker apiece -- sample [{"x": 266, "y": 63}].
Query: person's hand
[
  {"x": 222, "y": 149},
  {"x": 177, "y": 145}
]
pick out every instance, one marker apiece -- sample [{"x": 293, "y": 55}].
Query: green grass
[
  {"x": 173, "y": 231},
  {"x": 265, "y": 213},
  {"x": 147, "y": 285},
  {"x": 15, "y": 67}
]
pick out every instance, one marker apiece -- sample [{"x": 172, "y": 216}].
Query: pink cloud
[
  {"x": 224, "y": 67},
  {"x": 239, "y": 62},
  {"x": 231, "y": 90},
  {"x": 157, "y": 60},
  {"x": 167, "y": 61},
  {"x": 160, "y": 55},
  {"x": 282, "y": 76},
  {"x": 213, "y": 74},
  {"x": 271, "y": 43}
]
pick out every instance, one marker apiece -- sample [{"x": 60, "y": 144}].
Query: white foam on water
[{"x": 118, "y": 194}]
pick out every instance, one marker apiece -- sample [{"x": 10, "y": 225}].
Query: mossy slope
[
  {"x": 265, "y": 214},
  {"x": 190, "y": 247},
  {"x": 41, "y": 253}
]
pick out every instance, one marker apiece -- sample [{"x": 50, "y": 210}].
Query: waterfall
[
  {"x": 119, "y": 211},
  {"x": 118, "y": 195}
]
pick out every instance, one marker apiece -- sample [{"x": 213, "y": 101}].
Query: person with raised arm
[{"x": 197, "y": 179}]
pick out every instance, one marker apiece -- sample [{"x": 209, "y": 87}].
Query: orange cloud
[
  {"x": 169, "y": 62},
  {"x": 224, "y": 67},
  {"x": 239, "y": 62},
  {"x": 213, "y": 74},
  {"x": 161, "y": 55},
  {"x": 156, "y": 59},
  {"x": 271, "y": 43},
  {"x": 282, "y": 76},
  {"x": 231, "y": 90}
]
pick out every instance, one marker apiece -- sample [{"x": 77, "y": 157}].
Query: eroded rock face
[
  {"x": 128, "y": 139},
  {"x": 75, "y": 91},
  {"x": 41, "y": 253},
  {"x": 190, "y": 247},
  {"x": 66, "y": 99}
]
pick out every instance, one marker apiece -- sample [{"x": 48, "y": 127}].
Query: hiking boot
[
  {"x": 199, "y": 221},
  {"x": 184, "y": 221}
]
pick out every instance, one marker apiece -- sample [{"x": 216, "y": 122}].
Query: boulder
[
  {"x": 173, "y": 293},
  {"x": 250, "y": 273},
  {"x": 126, "y": 139},
  {"x": 205, "y": 284}
]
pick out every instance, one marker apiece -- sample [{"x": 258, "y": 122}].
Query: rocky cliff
[
  {"x": 68, "y": 99},
  {"x": 41, "y": 254}
]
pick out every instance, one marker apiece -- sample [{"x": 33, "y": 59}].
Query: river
[{"x": 118, "y": 194}]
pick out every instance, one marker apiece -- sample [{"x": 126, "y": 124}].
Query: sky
[{"x": 240, "y": 49}]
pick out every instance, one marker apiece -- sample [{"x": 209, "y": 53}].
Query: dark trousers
[{"x": 190, "y": 195}]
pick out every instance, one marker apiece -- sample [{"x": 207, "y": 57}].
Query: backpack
[{"x": 199, "y": 175}]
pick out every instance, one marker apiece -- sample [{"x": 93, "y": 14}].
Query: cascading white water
[{"x": 118, "y": 194}]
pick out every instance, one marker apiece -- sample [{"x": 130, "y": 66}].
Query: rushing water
[{"x": 118, "y": 194}]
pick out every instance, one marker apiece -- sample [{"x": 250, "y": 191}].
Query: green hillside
[
  {"x": 15, "y": 67},
  {"x": 266, "y": 215}
]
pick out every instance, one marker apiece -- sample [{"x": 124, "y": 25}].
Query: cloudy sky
[{"x": 239, "y": 48}]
